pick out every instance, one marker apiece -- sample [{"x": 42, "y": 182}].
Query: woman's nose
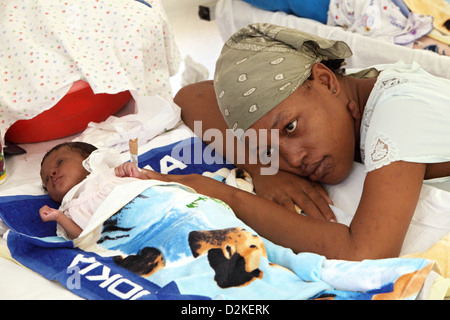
[{"x": 295, "y": 157}]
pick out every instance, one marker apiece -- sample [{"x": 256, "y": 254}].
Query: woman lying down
[
  {"x": 394, "y": 119},
  {"x": 165, "y": 232}
]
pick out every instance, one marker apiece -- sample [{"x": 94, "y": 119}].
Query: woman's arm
[
  {"x": 377, "y": 231},
  {"x": 387, "y": 205},
  {"x": 198, "y": 103}
]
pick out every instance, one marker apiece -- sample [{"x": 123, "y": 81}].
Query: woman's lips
[
  {"x": 309, "y": 169},
  {"x": 320, "y": 170}
]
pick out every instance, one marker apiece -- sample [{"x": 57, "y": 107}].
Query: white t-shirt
[{"x": 407, "y": 117}]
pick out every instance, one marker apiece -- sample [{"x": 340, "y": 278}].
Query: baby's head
[{"x": 62, "y": 168}]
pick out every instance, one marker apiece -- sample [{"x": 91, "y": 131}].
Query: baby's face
[{"x": 61, "y": 171}]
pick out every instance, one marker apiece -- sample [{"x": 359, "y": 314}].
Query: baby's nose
[{"x": 53, "y": 171}]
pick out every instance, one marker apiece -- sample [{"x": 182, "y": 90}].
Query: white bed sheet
[
  {"x": 232, "y": 15},
  {"x": 18, "y": 283}
]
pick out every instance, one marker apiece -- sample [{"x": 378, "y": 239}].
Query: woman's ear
[{"x": 325, "y": 77}]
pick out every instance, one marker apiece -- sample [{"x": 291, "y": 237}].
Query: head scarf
[{"x": 261, "y": 65}]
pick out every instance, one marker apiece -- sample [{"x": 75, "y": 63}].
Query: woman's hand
[{"x": 290, "y": 190}]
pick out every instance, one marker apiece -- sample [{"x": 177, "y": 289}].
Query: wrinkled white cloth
[
  {"x": 154, "y": 116},
  {"x": 193, "y": 72}
]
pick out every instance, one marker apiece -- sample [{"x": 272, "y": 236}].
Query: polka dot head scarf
[{"x": 261, "y": 65}]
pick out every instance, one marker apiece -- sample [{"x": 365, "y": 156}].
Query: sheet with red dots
[{"x": 47, "y": 45}]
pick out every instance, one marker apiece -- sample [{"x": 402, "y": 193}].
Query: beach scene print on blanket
[{"x": 171, "y": 243}]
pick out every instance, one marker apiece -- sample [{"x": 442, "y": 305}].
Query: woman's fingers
[{"x": 291, "y": 191}]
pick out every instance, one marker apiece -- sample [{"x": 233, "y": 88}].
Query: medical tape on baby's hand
[{"x": 133, "y": 145}]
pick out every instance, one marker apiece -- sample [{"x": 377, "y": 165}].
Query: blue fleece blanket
[
  {"x": 316, "y": 10},
  {"x": 171, "y": 243}
]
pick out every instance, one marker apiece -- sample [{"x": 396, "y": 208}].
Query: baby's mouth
[{"x": 56, "y": 180}]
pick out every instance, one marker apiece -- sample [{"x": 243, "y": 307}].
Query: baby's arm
[
  {"x": 129, "y": 169},
  {"x": 49, "y": 214}
]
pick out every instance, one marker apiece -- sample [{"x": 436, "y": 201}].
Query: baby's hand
[
  {"x": 128, "y": 169},
  {"x": 49, "y": 214}
]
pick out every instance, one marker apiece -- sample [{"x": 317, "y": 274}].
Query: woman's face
[
  {"x": 61, "y": 171},
  {"x": 316, "y": 133}
]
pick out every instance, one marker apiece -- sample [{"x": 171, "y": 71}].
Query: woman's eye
[{"x": 291, "y": 127}]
